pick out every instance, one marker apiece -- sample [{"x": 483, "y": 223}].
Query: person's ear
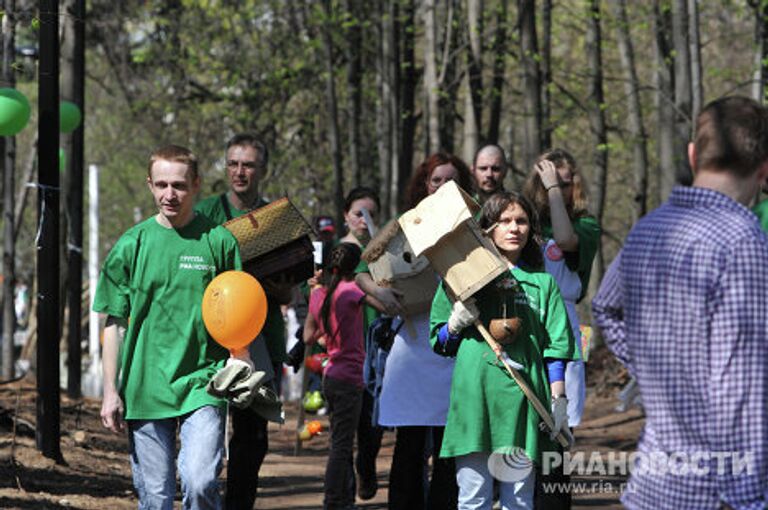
[{"x": 692, "y": 157}]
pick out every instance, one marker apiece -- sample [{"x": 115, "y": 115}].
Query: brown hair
[
  {"x": 417, "y": 187},
  {"x": 732, "y": 135},
  {"x": 344, "y": 258},
  {"x": 176, "y": 154},
  {"x": 497, "y": 204},
  {"x": 534, "y": 190}
]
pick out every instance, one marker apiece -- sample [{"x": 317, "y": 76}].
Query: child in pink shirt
[{"x": 335, "y": 319}]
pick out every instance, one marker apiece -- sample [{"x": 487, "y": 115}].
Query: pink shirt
[{"x": 346, "y": 353}]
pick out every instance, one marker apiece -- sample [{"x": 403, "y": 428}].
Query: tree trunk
[
  {"x": 354, "y": 85},
  {"x": 408, "y": 84},
  {"x": 597, "y": 120},
  {"x": 546, "y": 74},
  {"x": 531, "y": 82},
  {"x": 8, "y": 153},
  {"x": 761, "y": 49},
  {"x": 683, "y": 90},
  {"x": 333, "y": 115},
  {"x": 635, "y": 117},
  {"x": 664, "y": 101},
  {"x": 431, "y": 87},
  {"x": 48, "y": 433},
  {"x": 73, "y": 88},
  {"x": 393, "y": 64},
  {"x": 448, "y": 80},
  {"x": 499, "y": 54},
  {"x": 473, "y": 106},
  {"x": 697, "y": 83},
  {"x": 383, "y": 120}
]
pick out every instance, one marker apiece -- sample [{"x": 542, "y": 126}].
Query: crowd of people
[{"x": 682, "y": 306}]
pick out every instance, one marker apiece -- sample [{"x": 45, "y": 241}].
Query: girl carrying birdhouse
[{"x": 489, "y": 415}]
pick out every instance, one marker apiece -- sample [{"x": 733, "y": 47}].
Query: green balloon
[
  {"x": 14, "y": 111},
  {"x": 69, "y": 116}
]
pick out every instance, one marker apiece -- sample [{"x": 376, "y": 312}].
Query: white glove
[
  {"x": 463, "y": 315},
  {"x": 559, "y": 415}
]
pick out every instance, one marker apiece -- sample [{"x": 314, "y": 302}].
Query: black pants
[
  {"x": 344, "y": 402},
  {"x": 409, "y": 471},
  {"x": 368, "y": 442},
  {"x": 247, "y": 448}
]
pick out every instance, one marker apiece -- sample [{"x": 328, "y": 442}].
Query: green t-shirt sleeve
[
  {"x": 113, "y": 296},
  {"x": 560, "y": 343},
  {"x": 588, "y": 232},
  {"x": 761, "y": 211},
  {"x": 362, "y": 267},
  {"x": 438, "y": 315}
]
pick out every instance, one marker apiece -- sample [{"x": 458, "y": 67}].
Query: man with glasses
[
  {"x": 488, "y": 170},
  {"x": 246, "y": 162}
]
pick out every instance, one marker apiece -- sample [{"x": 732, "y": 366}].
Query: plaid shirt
[{"x": 685, "y": 309}]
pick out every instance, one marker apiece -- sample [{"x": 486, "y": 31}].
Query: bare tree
[
  {"x": 8, "y": 154},
  {"x": 694, "y": 44},
  {"x": 499, "y": 55},
  {"x": 473, "y": 111},
  {"x": 354, "y": 84},
  {"x": 408, "y": 82},
  {"x": 431, "y": 86},
  {"x": 635, "y": 117},
  {"x": 546, "y": 74},
  {"x": 760, "y": 9},
  {"x": 683, "y": 89},
  {"x": 664, "y": 80},
  {"x": 597, "y": 118},
  {"x": 531, "y": 104},
  {"x": 333, "y": 113}
]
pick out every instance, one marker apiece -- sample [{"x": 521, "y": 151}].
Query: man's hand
[
  {"x": 463, "y": 315},
  {"x": 112, "y": 411}
]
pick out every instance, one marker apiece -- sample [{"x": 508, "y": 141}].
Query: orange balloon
[
  {"x": 314, "y": 427},
  {"x": 234, "y": 309}
]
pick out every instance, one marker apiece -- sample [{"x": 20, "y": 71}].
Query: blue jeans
[
  {"x": 476, "y": 486},
  {"x": 153, "y": 450}
]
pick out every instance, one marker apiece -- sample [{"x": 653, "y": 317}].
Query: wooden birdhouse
[
  {"x": 392, "y": 263},
  {"x": 443, "y": 228}
]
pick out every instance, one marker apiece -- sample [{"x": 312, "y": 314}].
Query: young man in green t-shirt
[
  {"x": 158, "y": 356},
  {"x": 246, "y": 161}
]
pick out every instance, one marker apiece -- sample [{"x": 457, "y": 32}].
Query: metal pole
[{"x": 93, "y": 377}]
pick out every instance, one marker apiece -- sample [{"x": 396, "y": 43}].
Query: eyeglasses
[{"x": 248, "y": 165}]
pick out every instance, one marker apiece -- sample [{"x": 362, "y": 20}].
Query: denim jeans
[
  {"x": 153, "y": 450},
  {"x": 476, "y": 486},
  {"x": 344, "y": 403},
  {"x": 408, "y": 483}
]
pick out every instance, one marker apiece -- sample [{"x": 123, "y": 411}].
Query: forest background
[{"x": 357, "y": 92}]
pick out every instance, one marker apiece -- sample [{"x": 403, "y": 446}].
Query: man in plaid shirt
[{"x": 685, "y": 308}]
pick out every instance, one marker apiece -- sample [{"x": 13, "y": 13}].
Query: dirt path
[{"x": 97, "y": 474}]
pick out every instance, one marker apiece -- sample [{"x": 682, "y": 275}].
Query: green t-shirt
[
  {"x": 761, "y": 210},
  {"x": 155, "y": 277},
  {"x": 488, "y": 410},
  {"x": 588, "y": 232},
  {"x": 274, "y": 326},
  {"x": 369, "y": 313}
]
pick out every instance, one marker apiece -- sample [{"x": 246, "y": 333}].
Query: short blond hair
[{"x": 176, "y": 154}]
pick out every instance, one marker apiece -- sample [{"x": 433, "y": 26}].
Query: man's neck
[
  {"x": 742, "y": 190},
  {"x": 244, "y": 201},
  {"x": 176, "y": 223}
]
